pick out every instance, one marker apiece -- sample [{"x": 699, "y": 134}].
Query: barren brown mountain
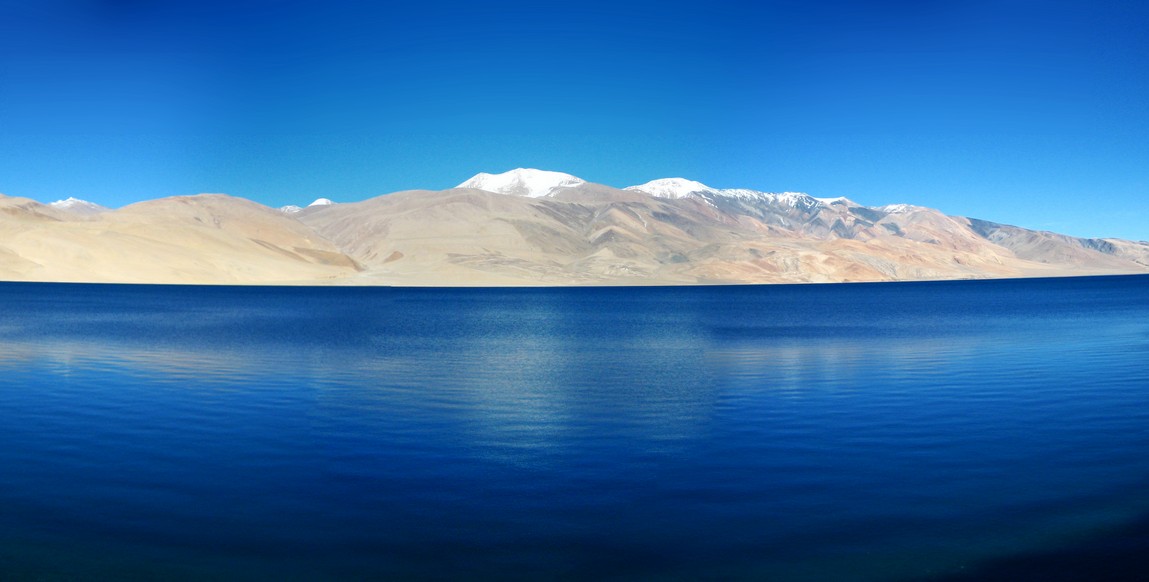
[{"x": 529, "y": 227}]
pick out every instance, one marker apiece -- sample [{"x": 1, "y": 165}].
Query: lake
[{"x": 962, "y": 430}]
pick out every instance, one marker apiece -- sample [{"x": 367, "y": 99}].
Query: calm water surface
[{"x": 958, "y": 431}]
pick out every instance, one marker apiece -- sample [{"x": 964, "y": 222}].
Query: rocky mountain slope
[{"x": 532, "y": 227}]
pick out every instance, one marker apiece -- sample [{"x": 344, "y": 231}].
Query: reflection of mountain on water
[
  {"x": 520, "y": 369},
  {"x": 532, "y": 372}
]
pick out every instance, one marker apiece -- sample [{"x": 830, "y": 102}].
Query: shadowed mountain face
[
  {"x": 1053, "y": 248},
  {"x": 528, "y": 227}
]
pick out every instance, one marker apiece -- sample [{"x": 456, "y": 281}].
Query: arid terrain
[{"x": 530, "y": 227}]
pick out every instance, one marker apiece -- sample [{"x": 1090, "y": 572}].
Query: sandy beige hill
[
  {"x": 209, "y": 238},
  {"x": 569, "y": 232}
]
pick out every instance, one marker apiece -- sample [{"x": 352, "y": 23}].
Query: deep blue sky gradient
[{"x": 1028, "y": 112}]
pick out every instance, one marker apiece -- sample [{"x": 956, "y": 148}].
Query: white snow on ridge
[
  {"x": 290, "y": 209},
  {"x": 796, "y": 199},
  {"x": 672, "y": 188},
  {"x": 527, "y": 182},
  {"x": 899, "y": 208},
  {"x": 829, "y": 201},
  {"x": 682, "y": 188},
  {"x": 320, "y": 202},
  {"x": 792, "y": 199}
]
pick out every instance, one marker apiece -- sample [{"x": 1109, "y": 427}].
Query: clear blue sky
[{"x": 1033, "y": 113}]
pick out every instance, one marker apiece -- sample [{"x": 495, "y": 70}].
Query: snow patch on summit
[
  {"x": 77, "y": 206},
  {"x": 527, "y": 182},
  {"x": 900, "y": 208},
  {"x": 672, "y": 188}
]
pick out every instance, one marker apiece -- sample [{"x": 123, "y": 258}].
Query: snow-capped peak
[
  {"x": 293, "y": 209},
  {"x": 69, "y": 203},
  {"x": 672, "y": 188},
  {"x": 77, "y": 206},
  {"x": 522, "y": 182}
]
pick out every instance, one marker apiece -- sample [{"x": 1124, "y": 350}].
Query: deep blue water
[{"x": 953, "y": 430}]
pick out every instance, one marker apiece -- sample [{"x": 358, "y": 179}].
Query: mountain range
[{"x": 534, "y": 227}]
